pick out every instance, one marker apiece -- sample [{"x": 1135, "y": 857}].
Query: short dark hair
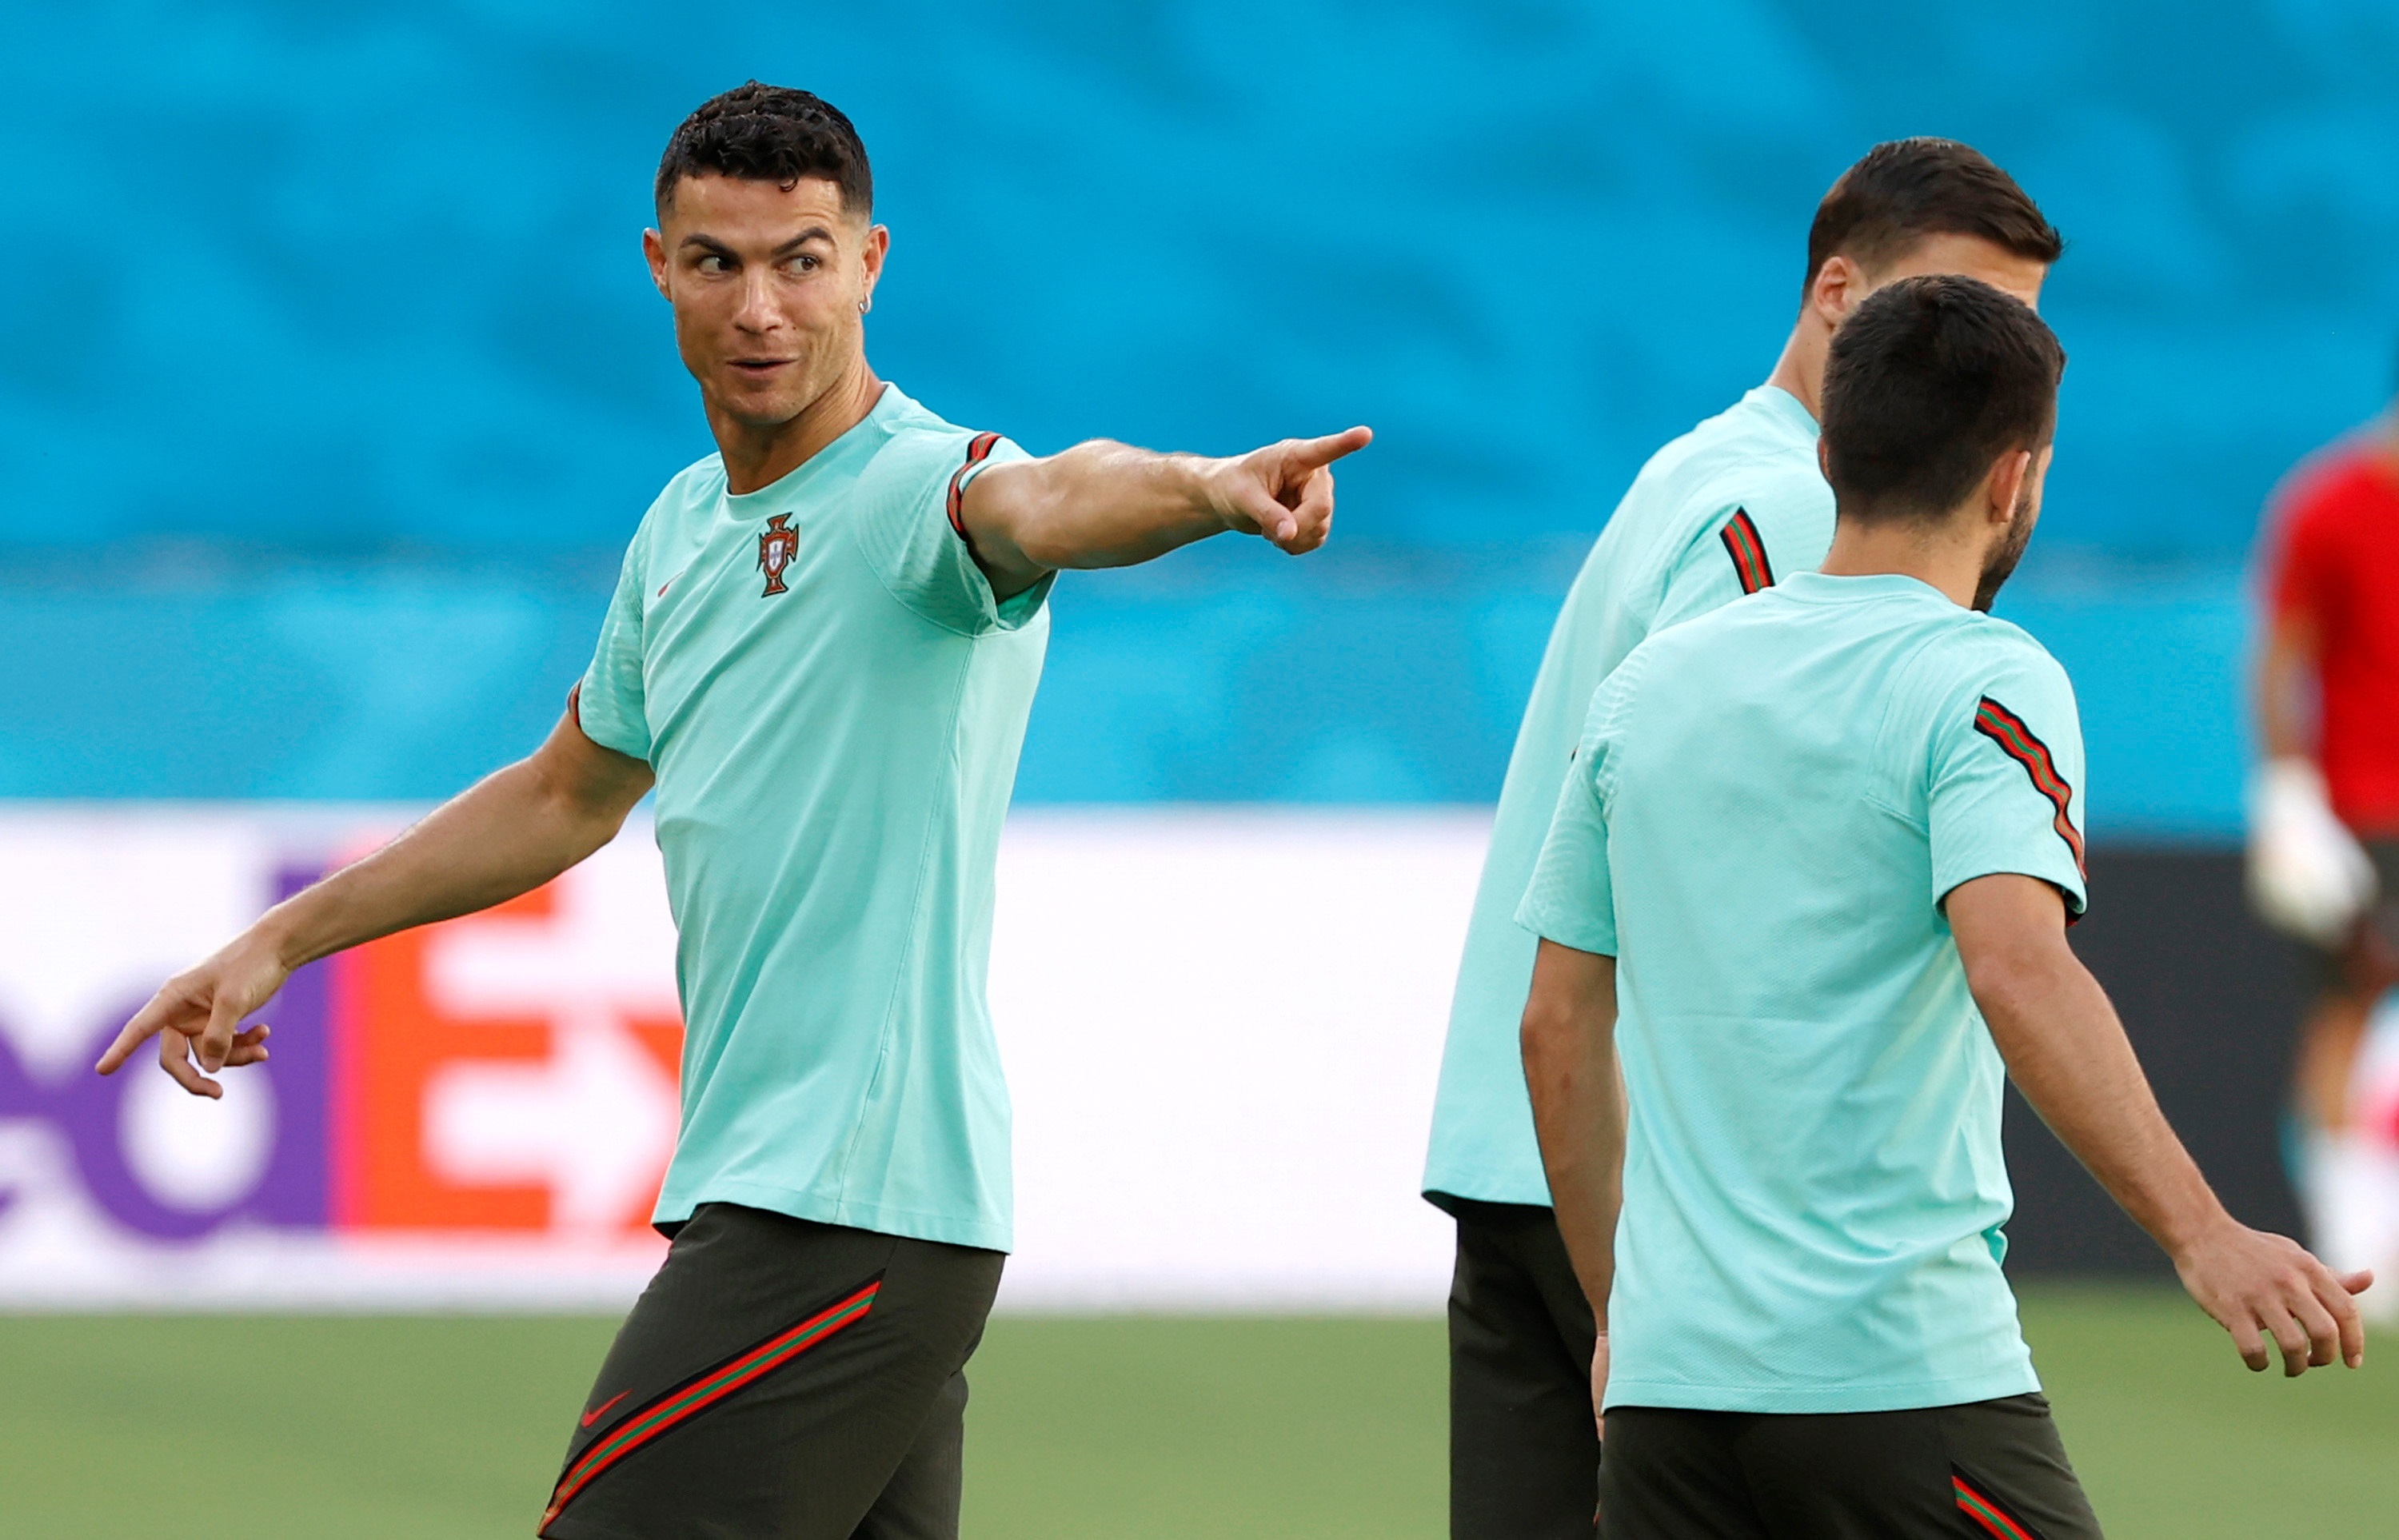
[
  {"x": 770, "y": 133},
  {"x": 1929, "y": 382},
  {"x": 1905, "y": 190}
]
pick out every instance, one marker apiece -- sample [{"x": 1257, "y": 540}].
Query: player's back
[
  {"x": 1719, "y": 512},
  {"x": 1813, "y": 1179}
]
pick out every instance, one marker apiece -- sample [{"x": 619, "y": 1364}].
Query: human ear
[
  {"x": 2007, "y": 484},
  {"x": 1838, "y": 285},
  {"x": 871, "y": 256},
  {"x": 653, "y": 252}
]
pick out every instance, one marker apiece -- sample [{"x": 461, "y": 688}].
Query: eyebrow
[{"x": 813, "y": 232}]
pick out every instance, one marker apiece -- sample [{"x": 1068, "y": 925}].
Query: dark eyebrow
[
  {"x": 710, "y": 243},
  {"x": 813, "y": 232}
]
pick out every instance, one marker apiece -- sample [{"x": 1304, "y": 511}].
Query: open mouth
[{"x": 758, "y": 369}]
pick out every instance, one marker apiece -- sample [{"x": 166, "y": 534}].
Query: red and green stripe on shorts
[
  {"x": 663, "y": 1413},
  {"x": 1986, "y": 1512}
]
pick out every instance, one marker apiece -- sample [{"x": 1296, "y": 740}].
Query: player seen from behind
[
  {"x": 821, "y": 654},
  {"x": 1811, "y": 844},
  {"x": 1715, "y": 514}
]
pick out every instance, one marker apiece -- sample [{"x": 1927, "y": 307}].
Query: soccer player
[
  {"x": 821, "y": 654},
  {"x": 1810, "y": 844},
  {"x": 1720, "y": 512},
  {"x": 2324, "y": 844}
]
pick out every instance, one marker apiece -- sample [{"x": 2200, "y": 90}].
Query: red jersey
[{"x": 2333, "y": 560}]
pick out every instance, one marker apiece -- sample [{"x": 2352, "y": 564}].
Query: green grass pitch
[{"x": 1170, "y": 1429}]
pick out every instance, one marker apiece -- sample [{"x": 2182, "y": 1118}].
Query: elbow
[
  {"x": 1547, "y": 1032},
  {"x": 2005, "y": 981},
  {"x": 1038, "y": 548},
  {"x": 1037, "y": 536}
]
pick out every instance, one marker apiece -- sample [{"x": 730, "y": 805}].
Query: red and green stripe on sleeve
[
  {"x": 2016, "y": 740},
  {"x": 1748, "y": 551},
  {"x": 978, "y": 451}
]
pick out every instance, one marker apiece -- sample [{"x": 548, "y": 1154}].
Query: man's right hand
[
  {"x": 509, "y": 833},
  {"x": 2260, "y": 1285},
  {"x": 199, "y": 1012}
]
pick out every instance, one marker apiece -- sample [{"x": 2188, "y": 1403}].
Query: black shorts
[
  {"x": 1991, "y": 1470},
  {"x": 782, "y": 1379},
  {"x": 1524, "y": 1448}
]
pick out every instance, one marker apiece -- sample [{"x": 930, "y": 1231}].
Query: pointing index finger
[
  {"x": 1332, "y": 446},
  {"x": 147, "y": 1022}
]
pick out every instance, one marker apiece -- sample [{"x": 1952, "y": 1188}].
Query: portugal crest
[{"x": 777, "y": 546}]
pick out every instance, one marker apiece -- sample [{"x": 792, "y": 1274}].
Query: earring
[{"x": 865, "y": 306}]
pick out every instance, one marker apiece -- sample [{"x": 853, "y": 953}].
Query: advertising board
[{"x": 1220, "y": 1029}]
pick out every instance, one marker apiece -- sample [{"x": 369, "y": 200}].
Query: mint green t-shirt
[
  {"x": 1768, "y": 809},
  {"x": 833, "y": 703},
  {"x": 1728, "y": 507}
]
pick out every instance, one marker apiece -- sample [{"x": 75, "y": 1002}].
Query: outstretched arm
[
  {"x": 508, "y": 834},
  {"x": 2068, "y": 1053},
  {"x": 1569, "y": 1044},
  {"x": 1106, "y": 504}
]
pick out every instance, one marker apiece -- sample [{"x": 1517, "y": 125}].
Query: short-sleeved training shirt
[
  {"x": 1767, "y": 810},
  {"x": 2333, "y": 560},
  {"x": 1721, "y": 511},
  {"x": 833, "y": 703}
]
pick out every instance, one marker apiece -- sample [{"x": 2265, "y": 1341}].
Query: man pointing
[{"x": 822, "y": 653}]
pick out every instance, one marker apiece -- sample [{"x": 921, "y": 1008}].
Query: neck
[
  {"x": 760, "y": 454},
  {"x": 1930, "y": 553},
  {"x": 1800, "y": 370}
]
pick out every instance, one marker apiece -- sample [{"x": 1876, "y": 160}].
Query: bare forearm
[
  {"x": 1577, "y": 1111},
  {"x": 1570, "y": 1070},
  {"x": 1109, "y": 505},
  {"x": 2068, "y": 1053},
  {"x": 508, "y": 834},
  {"x": 1102, "y": 505}
]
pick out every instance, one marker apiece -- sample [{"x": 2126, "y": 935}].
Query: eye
[
  {"x": 804, "y": 264},
  {"x": 711, "y": 264}
]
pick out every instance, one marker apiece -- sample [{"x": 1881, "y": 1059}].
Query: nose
[{"x": 757, "y": 313}]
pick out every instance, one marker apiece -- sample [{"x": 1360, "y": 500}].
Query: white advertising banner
[{"x": 1220, "y": 1029}]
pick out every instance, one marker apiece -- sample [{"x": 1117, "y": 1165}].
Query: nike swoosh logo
[{"x": 602, "y": 1410}]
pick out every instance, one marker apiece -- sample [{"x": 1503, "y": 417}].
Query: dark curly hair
[{"x": 770, "y": 133}]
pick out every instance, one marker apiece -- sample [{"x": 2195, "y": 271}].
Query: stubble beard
[{"x": 2002, "y": 563}]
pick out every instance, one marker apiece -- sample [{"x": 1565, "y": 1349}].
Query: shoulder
[
  {"x": 1753, "y": 459},
  {"x": 702, "y": 479},
  {"x": 1673, "y": 650},
  {"x": 1982, "y": 658},
  {"x": 913, "y": 430},
  {"x": 688, "y": 494},
  {"x": 918, "y": 448}
]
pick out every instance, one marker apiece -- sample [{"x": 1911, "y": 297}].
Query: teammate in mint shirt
[
  {"x": 822, "y": 653},
  {"x": 1807, "y": 882},
  {"x": 1724, "y": 511}
]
